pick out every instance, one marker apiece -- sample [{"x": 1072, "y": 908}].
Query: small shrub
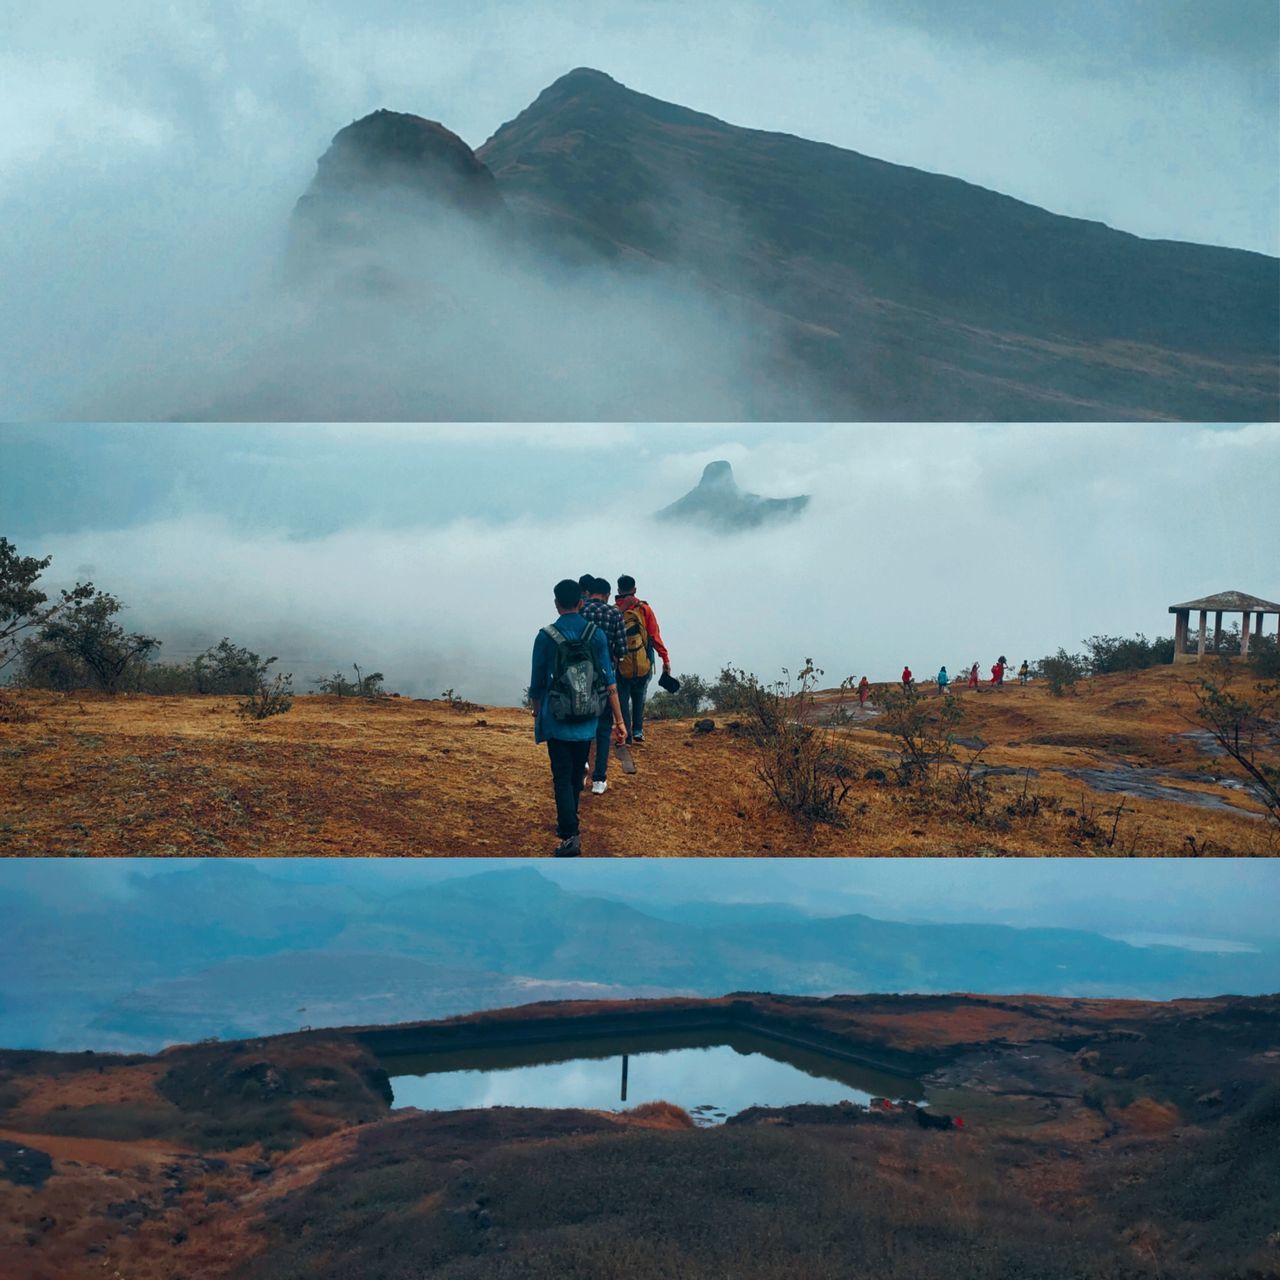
[
  {"x": 1246, "y": 725},
  {"x": 736, "y": 690},
  {"x": 1264, "y": 658},
  {"x": 362, "y": 686},
  {"x": 1062, "y": 670},
  {"x": 924, "y": 731},
  {"x": 1108, "y": 654},
  {"x": 456, "y": 702},
  {"x": 694, "y": 692},
  {"x": 268, "y": 699},
  {"x": 806, "y": 768},
  {"x": 229, "y": 668}
]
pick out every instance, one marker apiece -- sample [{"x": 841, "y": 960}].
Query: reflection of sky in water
[{"x": 690, "y": 1078}]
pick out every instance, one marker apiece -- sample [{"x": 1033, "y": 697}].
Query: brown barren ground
[
  {"x": 1138, "y": 1136},
  {"x": 141, "y": 775}
]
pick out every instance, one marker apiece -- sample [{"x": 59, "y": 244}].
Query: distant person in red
[
  {"x": 908, "y": 680},
  {"x": 864, "y": 691},
  {"x": 973, "y": 676},
  {"x": 997, "y": 673}
]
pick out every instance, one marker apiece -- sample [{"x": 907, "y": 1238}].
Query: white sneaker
[{"x": 599, "y": 788}]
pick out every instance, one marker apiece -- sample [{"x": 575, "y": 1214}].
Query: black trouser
[
  {"x": 604, "y": 739},
  {"x": 568, "y": 765},
  {"x": 631, "y": 692}
]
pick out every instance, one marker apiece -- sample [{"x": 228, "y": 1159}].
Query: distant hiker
[
  {"x": 1024, "y": 672},
  {"x": 636, "y": 665},
  {"x": 997, "y": 672},
  {"x": 864, "y": 691},
  {"x": 943, "y": 680},
  {"x": 571, "y": 684},
  {"x": 596, "y": 608},
  {"x": 908, "y": 680},
  {"x": 973, "y": 676}
]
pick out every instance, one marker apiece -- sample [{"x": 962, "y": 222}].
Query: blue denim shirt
[{"x": 544, "y": 665}]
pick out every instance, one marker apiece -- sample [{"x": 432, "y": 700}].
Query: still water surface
[{"x": 711, "y": 1081}]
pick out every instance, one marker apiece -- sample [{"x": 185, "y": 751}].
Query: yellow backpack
[{"x": 635, "y": 663}]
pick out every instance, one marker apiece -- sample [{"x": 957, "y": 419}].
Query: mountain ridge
[{"x": 874, "y": 290}]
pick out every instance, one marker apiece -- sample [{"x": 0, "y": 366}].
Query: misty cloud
[
  {"x": 150, "y": 159},
  {"x": 921, "y": 543},
  {"x": 1227, "y": 898}
]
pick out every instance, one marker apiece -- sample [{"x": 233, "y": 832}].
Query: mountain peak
[
  {"x": 718, "y": 475},
  {"x": 585, "y": 76},
  {"x": 396, "y": 148},
  {"x": 718, "y": 503}
]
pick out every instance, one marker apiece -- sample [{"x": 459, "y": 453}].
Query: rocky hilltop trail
[
  {"x": 878, "y": 291},
  {"x": 1115, "y": 768},
  {"x": 1099, "y": 1137}
]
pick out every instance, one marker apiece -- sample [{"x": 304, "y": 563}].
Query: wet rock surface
[{"x": 1155, "y": 784}]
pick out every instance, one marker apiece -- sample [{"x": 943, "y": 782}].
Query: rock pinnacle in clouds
[{"x": 718, "y": 503}]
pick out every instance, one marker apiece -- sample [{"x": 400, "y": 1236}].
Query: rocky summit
[
  {"x": 719, "y": 504},
  {"x": 873, "y": 291},
  {"x": 391, "y": 165}
]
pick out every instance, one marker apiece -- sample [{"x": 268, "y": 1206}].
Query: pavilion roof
[{"x": 1229, "y": 602}]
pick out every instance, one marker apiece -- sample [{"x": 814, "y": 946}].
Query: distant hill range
[
  {"x": 223, "y": 948},
  {"x": 877, "y": 291},
  {"x": 718, "y": 503}
]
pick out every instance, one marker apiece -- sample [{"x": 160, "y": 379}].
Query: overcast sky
[
  {"x": 429, "y": 552},
  {"x": 1157, "y": 117},
  {"x": 150, "y": 155},
  {"x": 1223, "y": 899}
]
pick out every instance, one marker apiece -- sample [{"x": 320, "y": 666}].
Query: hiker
[
  {"x": 596, "y": 608},
  {"x": 864, "y": 691},
  {"x": 997, "y": 672},
  {"x": 908, "y": 680},
  {"x": 636, "y": 665},
  {"x": 943, "y": 680},
  {"x": 973, "y": 676},
  {"x": 1024, "y": 672},
  {"x": 572, "y": 683}
]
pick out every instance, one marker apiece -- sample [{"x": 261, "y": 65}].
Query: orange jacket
[{"x": 632, "y": 601}]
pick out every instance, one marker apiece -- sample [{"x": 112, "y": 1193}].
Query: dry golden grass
[{"x": 142, "y": 775}]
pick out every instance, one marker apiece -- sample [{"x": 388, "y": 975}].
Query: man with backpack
[
  {"x": 635, "y": 667},
  {"x": 596, "y": 608},
  {"x": 571, "y": 684}
]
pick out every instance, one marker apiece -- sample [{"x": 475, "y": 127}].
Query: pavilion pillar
[
  {"x": 1180, "y": 632},
  {"x": 1204, "y": 619},
  {"x": 1244, "y": 634},
  {"x": 1217, "y": 631},
  {"x": 1257, "y": 625}
]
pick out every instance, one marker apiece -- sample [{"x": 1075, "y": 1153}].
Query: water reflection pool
[{"x": 711, "y": 1081}]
